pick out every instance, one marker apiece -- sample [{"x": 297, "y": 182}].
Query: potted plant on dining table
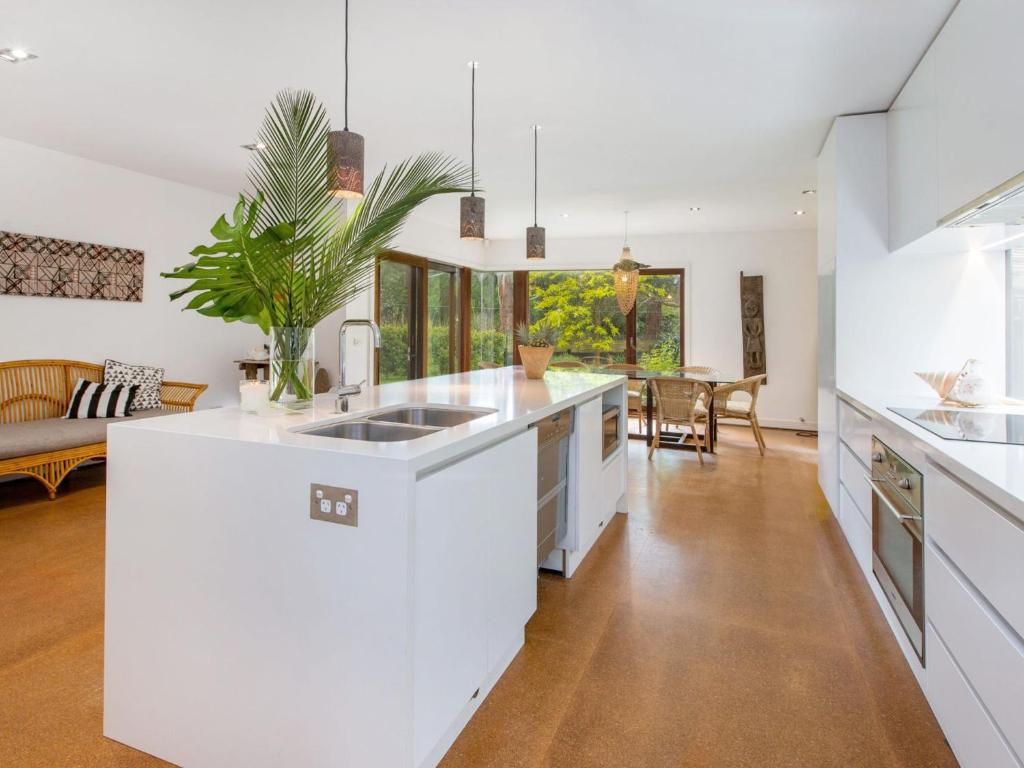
[{"x": 536, "y": 346}]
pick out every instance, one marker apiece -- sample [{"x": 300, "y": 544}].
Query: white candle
[{"x": 254, "y": 395}]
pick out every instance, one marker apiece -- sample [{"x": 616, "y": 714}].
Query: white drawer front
[
  {"x": 851, "y": 475},
  {"x": 990, "y": 660},
  {"x": 986, "y": 546},
  {"x": 855, "y": 431},
  {"x": 611, "y": 480},
  {"x": 975, "y": 741},
  {"x": 856, "y": 529}
]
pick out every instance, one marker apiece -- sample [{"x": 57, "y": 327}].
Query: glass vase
[{"x": 292, "y": 368}]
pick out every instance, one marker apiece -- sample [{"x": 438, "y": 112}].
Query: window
[
  {"x": 582, "y": 304},
  {"x": 1015, "y": 322}
]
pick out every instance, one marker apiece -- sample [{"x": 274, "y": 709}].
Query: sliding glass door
[
  {"x": 399, "y": 316},
  {"x": 418, "y": 307},
  {"x": 443, "y": 320}
]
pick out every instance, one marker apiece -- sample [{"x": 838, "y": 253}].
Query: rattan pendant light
[
  {"x": 346, "y": 148},
  {"x": 471, "y": 208},
  {"x": 535, "y": 234},
  {"x": 626, "y": 275}
]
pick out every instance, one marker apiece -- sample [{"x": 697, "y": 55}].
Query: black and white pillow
[
  {"x": 147, "y": 379},
  {"x": 92, "y": 400}
]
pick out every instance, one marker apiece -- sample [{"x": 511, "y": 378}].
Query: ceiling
[{"x": 648, "y": 105}]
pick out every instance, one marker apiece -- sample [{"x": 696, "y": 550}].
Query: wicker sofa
[{"x": 36, "y": 441}]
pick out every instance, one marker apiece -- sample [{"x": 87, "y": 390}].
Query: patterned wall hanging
[
  {"x": 752, "y": 319},
  {"x": 44, "y": 266}
]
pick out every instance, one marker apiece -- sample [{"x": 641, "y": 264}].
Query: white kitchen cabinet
[
  {"x": 954, "y": 129},
  {"x": 985, "y": 543},
  {"x": 475, "y": 580},
  {"x": 852, "y": 475},
  {"x": 589, "y": 483},
  {"x": 856, "y": 529},
  {"x": 988, "y": 653},
  {"x": 978, "y": 115},
  {"x": 975, "y": 740},
  {"x": 912, "y": 159}
]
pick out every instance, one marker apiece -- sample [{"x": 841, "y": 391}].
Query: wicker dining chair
[
  {"x": 485, "y": 365},
  {"x": 635, "y": 390},
  {"x": 567, "y": 364},
  {"x": 677, "y": 401},
  {"x": 746, "y": 410}
]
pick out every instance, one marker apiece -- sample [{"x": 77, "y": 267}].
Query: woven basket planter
[{"x": 535, "y": 360}]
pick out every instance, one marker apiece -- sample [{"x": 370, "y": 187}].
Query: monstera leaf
[{"x": 235, "y": 277}]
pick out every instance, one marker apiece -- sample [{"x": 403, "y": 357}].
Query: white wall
[
  {"x": 906, "y": 311},
  {"x": 56, "y": 195},
  {"x": 713, "y": 262}
]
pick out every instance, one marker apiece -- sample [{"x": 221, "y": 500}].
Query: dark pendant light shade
[
  {"x": 346, "y": 149},
  {"x": 471, "y": 225},
  {"x": 471, "y": 208},
  {"x": 535, "y": 245},
  {"x": 346, "y": 164}
]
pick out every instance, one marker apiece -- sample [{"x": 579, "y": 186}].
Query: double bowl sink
[{"x": 406, "y": 422}]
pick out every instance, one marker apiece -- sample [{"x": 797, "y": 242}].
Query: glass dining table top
[{"x": 645, "y": 374}]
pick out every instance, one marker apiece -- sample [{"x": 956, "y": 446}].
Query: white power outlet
[{"x": 334, "y": 505}]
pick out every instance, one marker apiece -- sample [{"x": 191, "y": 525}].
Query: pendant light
[
  {"x": 346, "y": 149},
  {"x": 471, "y": 208},
  {"x": 535, "y": 234},
  {"x": 626, "y": 275}
]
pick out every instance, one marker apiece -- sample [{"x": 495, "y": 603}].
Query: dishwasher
[{"x": 553, "y": 434}]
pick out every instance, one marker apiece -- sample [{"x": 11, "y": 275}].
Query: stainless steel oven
[{"x": 897, "y": 532}]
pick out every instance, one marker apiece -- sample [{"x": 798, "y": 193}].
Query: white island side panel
[{"x": 239, "y": 632}]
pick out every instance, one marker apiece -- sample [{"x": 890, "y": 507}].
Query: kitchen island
[{"x": 277, "y": 597}]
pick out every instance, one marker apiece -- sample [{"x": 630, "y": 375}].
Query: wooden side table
[{"x": 253, "y": 368}]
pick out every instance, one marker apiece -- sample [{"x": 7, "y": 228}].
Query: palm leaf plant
[{"x": 288, "y": 257}]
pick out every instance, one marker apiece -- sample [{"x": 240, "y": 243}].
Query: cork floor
[{"x": 722, "y": 623}]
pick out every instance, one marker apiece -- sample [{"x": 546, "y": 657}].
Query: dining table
[{"x": 673, "y": 439}]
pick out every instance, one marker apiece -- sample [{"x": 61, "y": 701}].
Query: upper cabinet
[
  {"x": 954, "y": 131},
  {"x": 912, "y": 158}
]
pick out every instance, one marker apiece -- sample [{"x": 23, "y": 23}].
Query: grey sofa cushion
[{"x": 27, "y": 438}]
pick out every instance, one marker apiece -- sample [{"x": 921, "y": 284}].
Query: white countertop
[
  {"x": 995, "y": 470},
  {"x": 518, "y": 402}
]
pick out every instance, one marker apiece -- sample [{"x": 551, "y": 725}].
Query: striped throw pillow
[{"x": 92, "y": 400}]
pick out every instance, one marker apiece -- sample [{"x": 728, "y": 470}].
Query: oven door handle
[{"x": 877, "y": 489}]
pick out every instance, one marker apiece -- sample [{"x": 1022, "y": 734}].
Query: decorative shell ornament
[
  {"x": 626, "y": 273},
  {"x": 965, "y": 387}
]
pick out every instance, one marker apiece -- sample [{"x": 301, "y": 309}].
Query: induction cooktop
[{"x": 967, "y": 425}]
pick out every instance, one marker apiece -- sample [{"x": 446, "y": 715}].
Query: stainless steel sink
[
  {"x": 430, "y": 415},
  {"x": 372, "y": 431}
]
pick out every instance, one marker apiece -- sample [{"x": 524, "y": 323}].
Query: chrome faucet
[{"x": 344, "y": 390}]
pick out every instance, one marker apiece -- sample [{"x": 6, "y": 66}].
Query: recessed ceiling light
[
  {"x": 799, "y": 213},
  {"x": 810, "y": 192},
  {"x": 565, "y": 215},
  {"x": 16, "y": 55},
  {"x": 695, "y": 208},
  {"x": 256, "y": 146}
]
